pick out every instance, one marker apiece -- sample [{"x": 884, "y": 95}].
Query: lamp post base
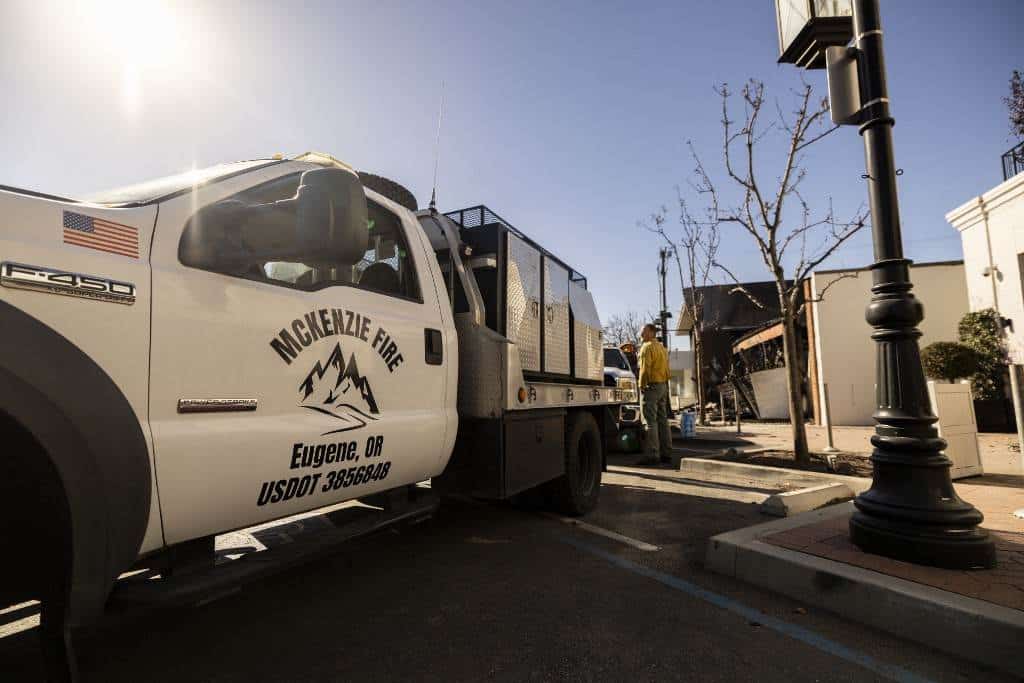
[
  {"x": 920, "y": 544},
  {"x": 938, "y": 528},
  {"x": 911, "y": 512}
]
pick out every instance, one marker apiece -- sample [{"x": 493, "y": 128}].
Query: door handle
[{"x": 433, "y": 346}]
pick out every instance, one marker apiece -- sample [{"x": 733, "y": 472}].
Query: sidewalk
[
  {"x": 830, "y": 538},
  {"x": 998, "y": 451},
  {"x": 997, "y": 493},
  {"x": 976, "y": 614}
]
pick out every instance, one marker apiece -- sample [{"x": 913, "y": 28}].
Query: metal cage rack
[
  {"x": 533, "y": 298},
  {"x": 480, "y": 215}
]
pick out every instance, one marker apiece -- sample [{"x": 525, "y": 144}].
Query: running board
[{"x": 289, "y": 543}]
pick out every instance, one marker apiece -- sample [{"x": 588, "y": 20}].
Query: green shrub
[
  {"x": 983, "y": 332},
  {"x": 949, "y": 361}
]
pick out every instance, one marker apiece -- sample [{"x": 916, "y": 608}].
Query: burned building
[{"x": 743, "y": 345}]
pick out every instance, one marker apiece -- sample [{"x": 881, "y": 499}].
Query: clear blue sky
[{"x": 569, "y": 119}]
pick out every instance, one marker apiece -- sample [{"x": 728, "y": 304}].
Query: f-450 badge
[
  {"x": 335, "y": 386},
  {"x": 22, "y": 276}
]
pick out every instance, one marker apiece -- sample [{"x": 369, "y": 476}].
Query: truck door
[{"x": 279, "y": 387}]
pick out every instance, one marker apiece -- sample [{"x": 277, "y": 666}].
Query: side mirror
[{"x": 324, "y": 223}]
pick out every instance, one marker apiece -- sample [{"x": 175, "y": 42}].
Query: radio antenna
[{"x": 437, "y": 150}]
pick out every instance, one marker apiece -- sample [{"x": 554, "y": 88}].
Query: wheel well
[{"x": 34, "y": 521}]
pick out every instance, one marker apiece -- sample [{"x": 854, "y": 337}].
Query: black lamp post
[{"x": 911, "y": 512}]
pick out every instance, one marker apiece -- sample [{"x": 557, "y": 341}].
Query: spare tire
[{"x": 390, "y": 189}]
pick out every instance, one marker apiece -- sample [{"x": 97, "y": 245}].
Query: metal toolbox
[
  {"x": 534, "y": 299},
  {"x": 556, "y": 318},
  {"x": 522, "y": 297},
  {"x": 588, "y": 350}
]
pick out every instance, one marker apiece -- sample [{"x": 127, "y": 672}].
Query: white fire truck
[{"x": 212, "y": 351}]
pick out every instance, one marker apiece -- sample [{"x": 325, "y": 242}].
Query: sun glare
[{"x": 143, "y": 38}]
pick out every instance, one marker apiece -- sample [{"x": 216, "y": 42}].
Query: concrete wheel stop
[
  {"x": 789, "y": 503},
  {"x": 793, "y": 491}
]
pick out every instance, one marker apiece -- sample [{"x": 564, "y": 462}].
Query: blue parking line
[{"x": 800, "y": 633}]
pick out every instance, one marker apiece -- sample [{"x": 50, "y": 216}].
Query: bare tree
[
  {"x": 695, "y": 254},
  {"x": 1015, "y": 104},
  {"x": 624, "y": 328},
  {"x": 791, "y": 246}
]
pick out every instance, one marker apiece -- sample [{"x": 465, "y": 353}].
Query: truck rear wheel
[{"x": 576, "y": 492}]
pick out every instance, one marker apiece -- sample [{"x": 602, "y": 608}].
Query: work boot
[
  {"x": 665, "y": 460},
  {"x": 649, "y": 461}
]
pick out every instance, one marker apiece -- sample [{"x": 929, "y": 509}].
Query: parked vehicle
[
  {"x": 619, "y": 373},
  {"x": 218, "y": 349}
]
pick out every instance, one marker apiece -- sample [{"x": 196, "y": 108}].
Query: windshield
[
  {"x": 613, "y": 358},
  {"x": 150, "y": 190}
]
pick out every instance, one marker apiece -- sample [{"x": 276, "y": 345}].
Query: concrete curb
[
  {"x": 760, "y": 476},
  {"x": 967, "y": 627}
]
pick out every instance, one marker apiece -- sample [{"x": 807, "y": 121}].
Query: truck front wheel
[{"x": 576, "y": 492}]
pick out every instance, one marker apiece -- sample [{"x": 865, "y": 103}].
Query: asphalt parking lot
[{"x": 505, "y": 592}]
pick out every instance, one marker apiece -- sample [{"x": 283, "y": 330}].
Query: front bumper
[{"x": 629, "y": 415}]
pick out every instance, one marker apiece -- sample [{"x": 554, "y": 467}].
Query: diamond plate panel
[
  {"x": 589, "y": 356},
  {"x": 556, "y": 318},
  {"x": 522, "y": 301}
]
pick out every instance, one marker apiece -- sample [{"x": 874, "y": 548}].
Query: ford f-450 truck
[{"x": 212, "y": 351}]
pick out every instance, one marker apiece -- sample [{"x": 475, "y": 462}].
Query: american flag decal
[{"x": 97, "y": 233}]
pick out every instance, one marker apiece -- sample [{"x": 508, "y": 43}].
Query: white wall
[
  {"x": 681, "y": 385},
  {"x": 771, "y": 394},
  {"x": 843, "y": 346},
  {"x": 1001, "y": 211}
]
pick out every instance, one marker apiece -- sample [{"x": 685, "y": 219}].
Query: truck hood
[{"x": 617, "y": 373}]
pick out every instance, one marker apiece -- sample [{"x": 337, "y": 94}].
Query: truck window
[
  {"x": 387, "y": 266},
  {"x": 613, "y": 358}
]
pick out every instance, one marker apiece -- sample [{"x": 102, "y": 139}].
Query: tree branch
[{"x": 740, "y": 288}]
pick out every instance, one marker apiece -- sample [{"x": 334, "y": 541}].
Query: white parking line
[
  {"x": 607, "y": 533},
  {"x": 17, "y": 618}
]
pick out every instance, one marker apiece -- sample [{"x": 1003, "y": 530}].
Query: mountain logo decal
[{"x": 335, "y": 387}]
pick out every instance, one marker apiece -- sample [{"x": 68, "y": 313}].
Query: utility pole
[{"x": 664, "y": 315}]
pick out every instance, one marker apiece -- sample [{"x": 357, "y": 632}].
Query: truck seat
[{"x": 381, "y": 277}]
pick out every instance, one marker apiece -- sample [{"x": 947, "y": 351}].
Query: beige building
[{"x": 843, "y": 353}]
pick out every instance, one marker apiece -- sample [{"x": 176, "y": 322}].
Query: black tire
[
  {"x": 390, "y": 189},
  {"x": 55, "y": 640},
  {"x": 34, "y": 522},
  {"x": 35, "y": 536},
  {"x": 576, "y": 492}
]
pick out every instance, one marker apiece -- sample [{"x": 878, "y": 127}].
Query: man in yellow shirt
[{"x": 653, "y": 381}]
